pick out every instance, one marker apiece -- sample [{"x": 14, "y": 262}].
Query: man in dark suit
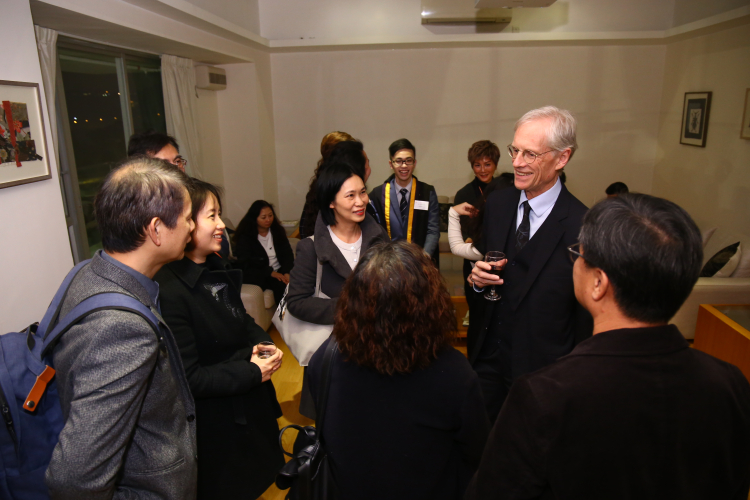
[
  {"x": 406, "y": 207},
  {"x": 538, "y": 319},
  {"x": 632, "y": 412}
]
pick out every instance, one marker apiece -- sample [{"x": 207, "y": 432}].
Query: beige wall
[
  {"x": 445, "y": 99},
  {"x": 712, "y": 183},
  {"x": 212, "y": 168},
  {"x": 35, "y": 251}
]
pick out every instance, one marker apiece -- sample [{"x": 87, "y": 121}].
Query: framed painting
[
  {"x": 695, "y": 111},
  {"x": 23, "y": 143},
  {"x": 745, "y": 131}
]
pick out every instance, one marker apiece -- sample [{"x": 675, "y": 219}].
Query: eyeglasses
[
  {"x": 180, "y": 161},
  {"x": 528, "y": 156},
  {"x": 398, "y": 162}
]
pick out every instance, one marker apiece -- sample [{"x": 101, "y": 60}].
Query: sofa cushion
[
  {"x": 444, "y": 207},
  {"x": 706, "y": 235},
  {"x": 722, "y": 263}
]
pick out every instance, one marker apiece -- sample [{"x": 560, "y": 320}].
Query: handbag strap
[{"x": 331, "y": 351}]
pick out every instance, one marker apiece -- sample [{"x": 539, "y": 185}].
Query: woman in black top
[
  {"x": 405, "y": 417},
  {"x": 262, "y": 249},
  {"x": 236, "y": 407}
]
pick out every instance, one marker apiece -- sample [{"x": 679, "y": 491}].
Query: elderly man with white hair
[{"x": 537, "y": 319}]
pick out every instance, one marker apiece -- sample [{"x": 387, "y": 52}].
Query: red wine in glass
[{"x": 493, "y": 258}]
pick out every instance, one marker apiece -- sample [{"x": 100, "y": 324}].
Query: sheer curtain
[
  {"x": 178, "y": 82},
  {"x": 46, "y": 43}
]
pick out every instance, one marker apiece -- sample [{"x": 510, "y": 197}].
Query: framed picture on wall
[
  {"x": 23, "y": 143},
  {"x": 695, "y": 110},
  {"x": 745, "y": 131}
]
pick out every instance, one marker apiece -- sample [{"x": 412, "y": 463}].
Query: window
[{"x": 107, "y": 95}]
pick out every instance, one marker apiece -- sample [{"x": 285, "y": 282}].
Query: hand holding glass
[
  {"x": 266, "y": 349},
  {"x": 493, "y": 258}
]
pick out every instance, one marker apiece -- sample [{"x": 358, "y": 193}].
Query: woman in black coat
[
  {"x": 262, "y": 249},
  {"x": 405, "y": 418},
  {"x": 236, "y": 406}
]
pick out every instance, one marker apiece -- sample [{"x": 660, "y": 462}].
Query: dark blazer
[
  {"x": 632, "y": 413},
  {"x": 335, "y": 271},
  {"x": 407, "y": 436},
  {"x": 129, "y": 417},
  {"x": 252, "y": 258},
  {"x": 539, "y": 312},
  {"x": 236, "y": 413}
]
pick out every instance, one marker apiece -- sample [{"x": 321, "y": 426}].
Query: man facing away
[
  {"x": 537, "y": 320},
  {"x": 632, "y": 412},
  {"x": 408, "y": 208},
  {"x": 156, "y": 145},
  {"x": 129, "y": 427}
]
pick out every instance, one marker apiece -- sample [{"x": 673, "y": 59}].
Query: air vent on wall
[
  {"x": 461, "y": 12},
  {"x": 210, "y": 78},
  {"x": 498, "y": 4}
]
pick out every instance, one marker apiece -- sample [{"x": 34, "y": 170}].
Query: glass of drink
[
  {"x": 492, "y": 258},
  {"x": 266, "y": 349}
]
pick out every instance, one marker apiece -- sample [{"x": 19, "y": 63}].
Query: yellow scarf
[{"x": 411, "y": 208}]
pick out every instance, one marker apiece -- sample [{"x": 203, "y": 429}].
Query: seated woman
[
  {"x": 235, "y": 400},
  {"x": 262, "y": 249},
  {"x": 343, "y": 231},
  {"x": 399, "y": 393}
]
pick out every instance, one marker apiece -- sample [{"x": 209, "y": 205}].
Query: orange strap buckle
[{"x": 36, "y": 393}]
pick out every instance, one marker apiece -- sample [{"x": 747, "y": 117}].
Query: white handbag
[{"x": 303, "y": 338}]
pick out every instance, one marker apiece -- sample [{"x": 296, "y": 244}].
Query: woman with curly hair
[{"x": 405, "y": 416}]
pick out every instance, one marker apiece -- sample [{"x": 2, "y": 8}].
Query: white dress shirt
[{"x": 541, "y": 206}]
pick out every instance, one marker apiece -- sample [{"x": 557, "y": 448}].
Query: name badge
[{"x": 421, "y": 205}]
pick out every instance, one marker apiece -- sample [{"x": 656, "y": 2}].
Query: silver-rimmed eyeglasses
[
  {"x": 180, "y": 161},
  {"x": 575, "y": 252},
  {"x": 528, "y": 156}
]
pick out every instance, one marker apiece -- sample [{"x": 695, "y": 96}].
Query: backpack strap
[
  {"x": 53, "y": 311},
  {"x": 99, "y": 302}
]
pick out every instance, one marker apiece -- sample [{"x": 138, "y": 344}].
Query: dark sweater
[
  {"x": 236, "y": 413},
  {"x": 412, "y": 436}
]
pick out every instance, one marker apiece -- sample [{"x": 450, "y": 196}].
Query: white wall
[
  {"x": 35, "y": 249},
  {"x": 687, "y": 11},
  {"x": 331, "y": 19},
  {"x": 711, "y": 183},
  {"x": 211, "y": 166},
  {"x": 443, "y": 100},
  {"x": 243, "y": 13}
]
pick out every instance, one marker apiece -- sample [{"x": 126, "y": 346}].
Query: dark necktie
[
  {"x": 524, "y": 228},
  {"x": 404, "y": 207}
]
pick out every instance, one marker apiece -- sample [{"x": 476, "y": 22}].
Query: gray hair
[{"x": 562, "y": 132}]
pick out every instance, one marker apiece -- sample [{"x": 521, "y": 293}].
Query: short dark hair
[
  {"x": 150, "y": 143},
  {"x": 350, "y": 153},
  {"x": 484, "y": 149},
  {"x": 332, "y": 177},
  {"x": 138, "y": 190},
  {"x": 199, "y": 191},
  {"x": 394, "y": 313},
  {"x": 650, "y": 249},
  {"x": 617, "y": 188},
  {"x": 400, "y": 144}
]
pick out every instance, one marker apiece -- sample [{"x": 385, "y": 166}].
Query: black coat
[
  {"x": 236, "y": 414},
  {"x": 631, "y": 413},
  {"x": 538, "y": 313},
  {"x": 405, "y": 436},
  {"x": 252, "y": 258},
  {"x": 336, "y": 269}
]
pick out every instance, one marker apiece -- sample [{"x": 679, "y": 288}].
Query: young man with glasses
[
  {"x": 538, "y": 319},
  {"x": 156, "y": 145},
  {"x": 408, "y": 208}
]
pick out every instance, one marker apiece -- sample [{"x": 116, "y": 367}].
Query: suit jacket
[
  {"x": 538, "y": 313},
  {"x": 236, "y": 411},
  {"x": 129, "y": 416},
  {"x": 252, "y": 258},
  {"x": 631, "y": 413},
  {"x": 336, "y": 269},
  {"x": 426, "y": 225}
]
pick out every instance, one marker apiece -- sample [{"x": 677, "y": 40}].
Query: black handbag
[{"x": 308, "y": 474}]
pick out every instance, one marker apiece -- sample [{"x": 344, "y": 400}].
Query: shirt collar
[
  {"x": 398, "y": 188},
  {"x": 151, "y": 286},
  {"x": 542, "y": 203}
]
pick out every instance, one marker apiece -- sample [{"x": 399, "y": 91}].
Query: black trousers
[{"x": 493, "y": 367}]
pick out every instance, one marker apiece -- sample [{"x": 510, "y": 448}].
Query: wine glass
[
  {"x": 492, "y": 258},
  {"x": 266, "y": 349}
]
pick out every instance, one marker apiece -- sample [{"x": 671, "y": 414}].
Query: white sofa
[
  {"x": 260, "y": 304},
  {"x": 734, "y": 289}
]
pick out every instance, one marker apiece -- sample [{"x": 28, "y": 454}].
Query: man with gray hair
[
  {"x": 129, "y": 424},
  {"x": 537, "y": 319}
]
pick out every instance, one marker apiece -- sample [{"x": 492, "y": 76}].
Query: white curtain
[
  {"x": 178, "y": 82},
  {"x": 46, "y": 43}
]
